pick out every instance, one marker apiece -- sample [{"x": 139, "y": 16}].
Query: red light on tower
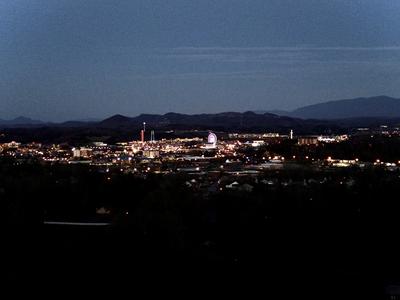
[{"x": 142, "y": 136}]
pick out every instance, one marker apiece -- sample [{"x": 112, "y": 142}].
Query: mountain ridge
[
  {"x": 221, "y": 120},
  {"x": 20, "y": 121},
  {"x": 362, "y": 107},
  {"x": 376, "y": 108}
]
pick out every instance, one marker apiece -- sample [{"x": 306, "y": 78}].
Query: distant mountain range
[
  {"x": 325, "y": 118},
  {"x": 373, "y": 107},
  {"x": 20, "y": 121},
  {"x": 350, "y": 112},
  {"x": 201, "y": 121}
]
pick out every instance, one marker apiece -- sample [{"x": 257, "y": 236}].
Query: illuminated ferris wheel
[{"x": 212, "y": 138}]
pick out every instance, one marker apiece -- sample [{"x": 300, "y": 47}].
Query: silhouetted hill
[
  {"x": 114, "y": 121},
  {"x": 373, "y": 107},
  {"x": 225, "y": 120},
  {"x": 20, "y": 122}
]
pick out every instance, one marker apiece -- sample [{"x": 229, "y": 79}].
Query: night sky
[{"x": 78, "y": 59}]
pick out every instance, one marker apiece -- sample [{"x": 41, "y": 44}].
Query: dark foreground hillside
[{"x": 327, "y": 233}]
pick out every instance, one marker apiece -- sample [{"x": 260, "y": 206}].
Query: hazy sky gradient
[{"x": 74, "y": 59}]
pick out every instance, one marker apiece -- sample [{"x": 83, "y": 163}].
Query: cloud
[
  {"x": 208, "y": 75},
  {"x": 260, "y": 53},
  {"x": 273, "y": 62}
]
